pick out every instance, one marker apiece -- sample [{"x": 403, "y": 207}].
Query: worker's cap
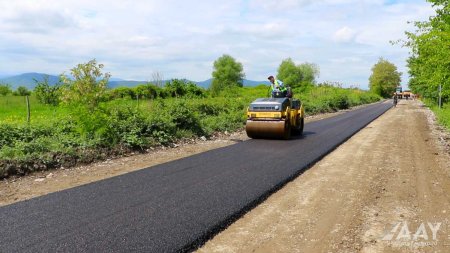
[{"x": 270, "y": 77}]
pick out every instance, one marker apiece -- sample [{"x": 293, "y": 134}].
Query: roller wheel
[
  {"x": 268, "y": 129},
  {"x": 287, "y": 130},
  {"x": 298, "y": 129}
]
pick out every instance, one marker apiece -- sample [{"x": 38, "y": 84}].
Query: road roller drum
[{"x": 275, "y": 118}]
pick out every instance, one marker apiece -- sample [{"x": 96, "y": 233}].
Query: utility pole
[{"x": 440, "y": 96}]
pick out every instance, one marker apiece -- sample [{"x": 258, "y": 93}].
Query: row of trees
[
  {"x": 229, "y": 73},
  {"x": 88, "y": 86},
  {"x": 429, "y": 63},
  {"x": 5, "y": 89},
  {"x": 173, "y": 88},
  {"x": 88, "y": 83}
]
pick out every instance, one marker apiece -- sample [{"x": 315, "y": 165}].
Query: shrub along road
[{"x": 174, "y": 206}]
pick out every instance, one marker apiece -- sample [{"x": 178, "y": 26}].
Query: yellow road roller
[{"x": 275, "y": 118}]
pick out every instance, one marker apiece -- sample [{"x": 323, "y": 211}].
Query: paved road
[{"x": 174, "y": 206}]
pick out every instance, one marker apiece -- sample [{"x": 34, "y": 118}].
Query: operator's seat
[{"x": 282, "y": 94}]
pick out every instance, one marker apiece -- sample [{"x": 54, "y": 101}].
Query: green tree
[
  {"x": 87, "y": 85},
  {"x": 123, "y": 92},
  {"x": 5, "y": 89},
  {"x": 22, "y": 91},
  {"x": 227, "y": 73},
  {"x": 289, "y": 73},
  {"x": 429, "y": 63},
  {"x": 385, "y": 78},
  {"x": 182, "y": 87},
  {"x": 310, "y": 72},
  {"x": 46, "y": 93},
  {"x": 148, "y": 91},
  {"x": 300, "y": 75}
]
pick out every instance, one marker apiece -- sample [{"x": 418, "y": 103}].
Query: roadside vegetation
[
  {"x": 429, "y": 61},
  {"x": 385, "y": 78},
  {"x": 80, "y": 120}
]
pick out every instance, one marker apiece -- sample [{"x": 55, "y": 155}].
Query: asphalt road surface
[{"x": 175, "y": 206}]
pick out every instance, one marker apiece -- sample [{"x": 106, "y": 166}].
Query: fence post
[{"x": 28, "y": 109}]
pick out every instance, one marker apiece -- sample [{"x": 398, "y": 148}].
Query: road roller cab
[{"x": 275, "y": 118}]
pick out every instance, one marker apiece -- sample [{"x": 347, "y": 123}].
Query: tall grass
[{"x": 442, "y": 114}]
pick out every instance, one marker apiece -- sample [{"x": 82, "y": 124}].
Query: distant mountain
[
  {"x": 204, "y": 84},
  {"x": 114, "y": 79},
  {"x": 27, "y": 80},
  {"x": 4, "y": 76},
  {"x": 251, "y": 83}
]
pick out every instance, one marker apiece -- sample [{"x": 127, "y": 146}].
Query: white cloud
[
  {"x": 183, "y": 38},
  {"x": 345, "y": 34}
]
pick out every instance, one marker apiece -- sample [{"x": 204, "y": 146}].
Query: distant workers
[{"x": 395, "y": 99}]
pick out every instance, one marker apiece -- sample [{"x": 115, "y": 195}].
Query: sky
[{"x": 181, "y": 39}]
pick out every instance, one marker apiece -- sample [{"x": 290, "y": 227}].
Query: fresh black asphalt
[{"x": 175, "y": 206}]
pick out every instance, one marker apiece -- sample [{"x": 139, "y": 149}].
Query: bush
[
  {"x": 147, "y": 91},
  {"x": 122, "y": 92},
  {"x": 46, "y": 93},
  {"x": 329, "y": 99},
  {"x": 185, "y": 118},
  {"x": 86, "y": 86},
  {"x": 183, "y": 88},
  {"x": 5, "y": 89},
  {"x": 22, "y": 91}
]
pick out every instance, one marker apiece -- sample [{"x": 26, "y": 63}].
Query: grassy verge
[
  {"x": 66, "y": 136},
  {"x": 442, "y": 115}
]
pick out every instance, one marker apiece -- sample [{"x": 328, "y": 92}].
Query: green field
[
  {"x": 13, "y": 110},
  {"x": 66, "y": 135}
]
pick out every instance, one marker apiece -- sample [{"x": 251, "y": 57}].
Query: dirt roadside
[
  {"x": 16, "y": 189},
  {"x": 372, "y": 194}
]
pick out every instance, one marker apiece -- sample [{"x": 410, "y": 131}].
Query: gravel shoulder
[{"x": 384, "y": 190}]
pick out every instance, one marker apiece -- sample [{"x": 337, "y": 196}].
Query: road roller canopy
[{"x": 269, "y": 104}]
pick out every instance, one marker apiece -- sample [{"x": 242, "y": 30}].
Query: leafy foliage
[
  {"x": 5, "y": 89},
  {"x": 301, "y": 75},
  {"x": 181, "y": 88},
  {"x": 429, "y": 63},
  {"x": 385, "y": 78},
  {"x": 148, "y": 91},
  {"x": 121, "y": 92},
  {"x": 327, "y": 98},
  {"x": 227, "y": 73},
  {"x": 175, "y": 88},
  {"x": 87, "y": 85},
  {"x": 22, "y": 91},
  {"x": 46, "y": 93}
]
